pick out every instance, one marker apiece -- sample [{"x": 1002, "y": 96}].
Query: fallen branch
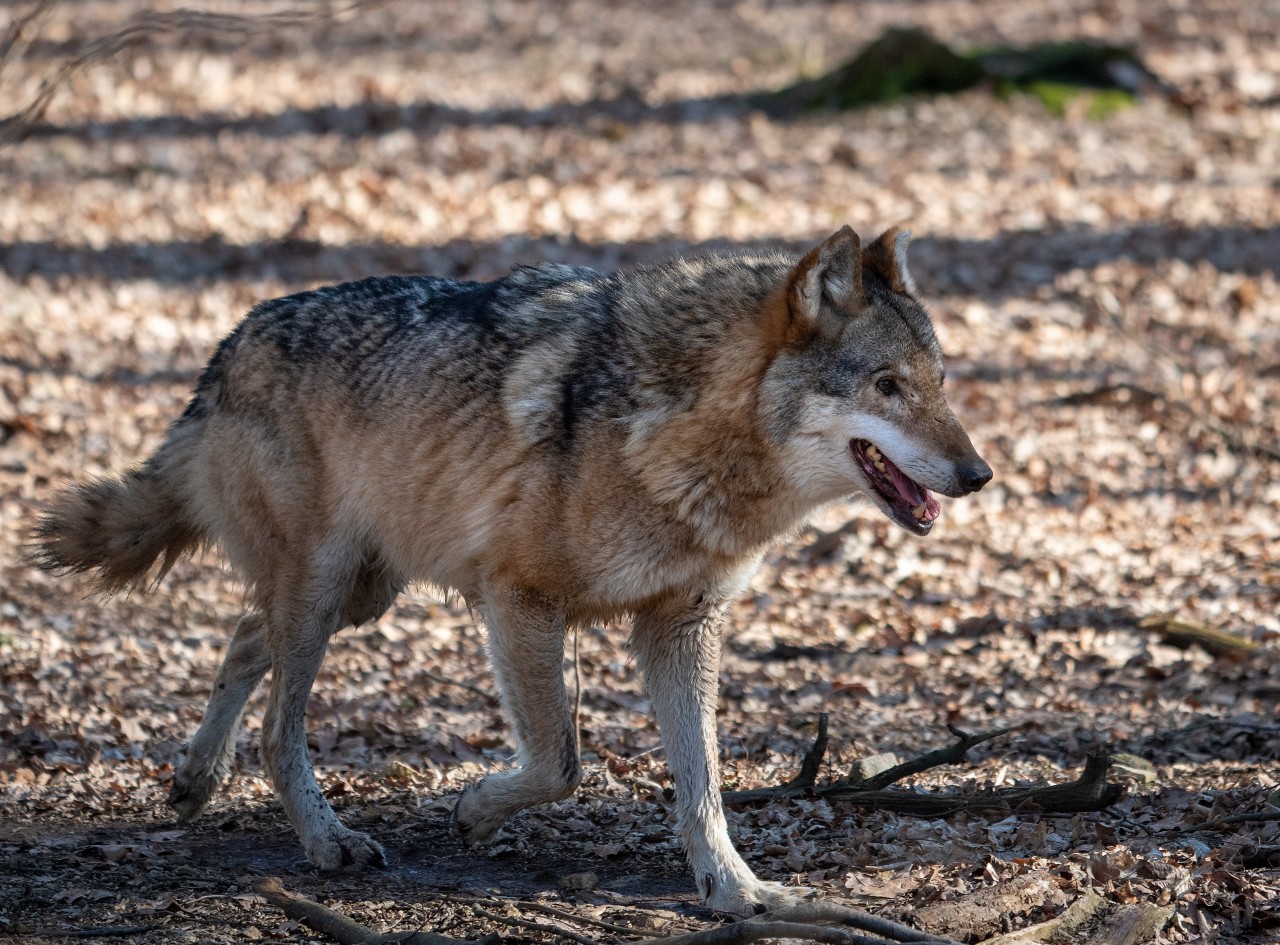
[
  {"x": 1214, "y": 642},
  {"x": 340, "y": 928},
  {"x": 1131, "y": 925},
  {"x": 1091, "y": 791},
  {"x": 802, "y": 784},
  {"x": 571, "y": 917},
  {"x": 987, "y": 910},
  {"x": 530, "y": 926},
  {"x": 1261, "y": 858},
  {"x": 1060, "y": 928},
  {"x": 485, "y": 694},
  {"x": 1225, "y": 823},
  {"x": 1109, "y": 924},
  {"x": 106, "y": 931},
  {"x": 803, "y": 922},
  {"x": 813, "y": 922},
  {"x": 953, "y": 755},
  {"x": 146, "y": 25}
]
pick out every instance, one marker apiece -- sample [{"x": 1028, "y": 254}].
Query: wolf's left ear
[
  {"x": 887, "y": 258},
  {"x": 829, "y": 276}
]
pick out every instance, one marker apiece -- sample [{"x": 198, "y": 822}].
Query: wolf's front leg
[
  {"x": 678, "y": 648},
  {"x": 526, "y": 646}
]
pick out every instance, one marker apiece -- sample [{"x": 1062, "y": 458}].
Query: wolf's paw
[
  {"x": 190, "y": 793},
  {"x": 475, "y": 821},
  {"x": 757, "y": 897},
  {"x": 339, "y": 848}
]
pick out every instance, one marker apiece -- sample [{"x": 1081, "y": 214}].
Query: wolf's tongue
[{"x": 909, "y": 491}]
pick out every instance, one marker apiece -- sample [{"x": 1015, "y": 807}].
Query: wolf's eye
[{"x": 887, "y": 386}]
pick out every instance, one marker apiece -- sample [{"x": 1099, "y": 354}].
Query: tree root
[
  {"x": 1091, "y": 791},
  {"x": 813, "y": 922}
]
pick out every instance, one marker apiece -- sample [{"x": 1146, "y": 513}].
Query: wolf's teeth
[
  {"x": 872, "y": 453},
  {"x": 880, "y": 466},
  {"x": 919, "y": 511}
]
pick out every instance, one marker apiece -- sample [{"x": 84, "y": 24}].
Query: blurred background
[{"x": 1097, "y": 238}]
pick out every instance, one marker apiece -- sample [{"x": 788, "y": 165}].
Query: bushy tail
[{"x": 119, "y": 527}]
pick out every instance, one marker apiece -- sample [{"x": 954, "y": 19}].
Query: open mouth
[{"x": 911, "y": 505}]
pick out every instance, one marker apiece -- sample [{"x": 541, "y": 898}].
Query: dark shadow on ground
[
  {"x": 237, "y": 838},
  {"x": 1009, "y": 264},
  {"x": 372, "y": 118}
]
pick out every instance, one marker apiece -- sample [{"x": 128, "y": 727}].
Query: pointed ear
[
  {"x": 829, "y": 275},
  {"x": 887, "y": 258}
]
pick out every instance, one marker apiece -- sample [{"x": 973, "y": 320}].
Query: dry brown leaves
[{"x": 1107, "y": 293}]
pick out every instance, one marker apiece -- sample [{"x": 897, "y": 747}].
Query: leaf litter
[{"x": 1105, "y": 289}]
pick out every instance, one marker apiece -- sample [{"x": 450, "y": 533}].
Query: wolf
[{"x": 559, "y": 447}]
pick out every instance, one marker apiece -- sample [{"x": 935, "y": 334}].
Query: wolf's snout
[{"x": 973, "y": 475}]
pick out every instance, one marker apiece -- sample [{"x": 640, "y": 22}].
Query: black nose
[{"x": 974, "y": 475}]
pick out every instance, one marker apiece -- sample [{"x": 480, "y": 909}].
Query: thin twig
[
  {"x": 531, "y": 926},
  {"x": 106, "y": 931},
  {"x": 584, "y": 920},
  {"x": 21, "y": 33},
  {"x": 802, "y": 784},
  {"x": 343, "y": 929},
  {"x": 802, "y": 922},
  {"x": 150, "y": 23},
  {"x": 459, "y": 684},
  {"x": 1222, "y": 823},
  {"x": 952, "y": 755},
  {"x": 1091, "y": 791}
]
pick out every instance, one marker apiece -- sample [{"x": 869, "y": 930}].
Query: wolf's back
[{"x": 353, "y": 343}]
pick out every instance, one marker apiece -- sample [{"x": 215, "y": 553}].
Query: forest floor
[{"x": 1105, "y": 290}]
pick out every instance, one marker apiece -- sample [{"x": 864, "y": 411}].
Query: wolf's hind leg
[
  {"x": 300, "y": 622},
  {"x": 212, "y": 750},
  {"x": 526, "y": 643}
]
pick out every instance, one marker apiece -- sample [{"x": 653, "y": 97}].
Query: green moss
[
  {"x": 1107, "y": 102},
  {"x": 906, "y": 62},
  {"x": 899, "y": 63}
]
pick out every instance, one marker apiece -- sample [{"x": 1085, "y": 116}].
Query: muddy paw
[
  {"x": 347, "y": 848},
  {"x": 757, "y": 897},
  {"x": 474, "y": 821}
]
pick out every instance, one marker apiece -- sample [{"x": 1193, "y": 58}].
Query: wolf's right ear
[{"x": 828, "y": 277}]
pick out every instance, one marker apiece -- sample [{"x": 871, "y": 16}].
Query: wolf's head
[{"x": 857, "y": 385}]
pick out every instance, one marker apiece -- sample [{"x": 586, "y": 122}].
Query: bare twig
[
  {"x": 106, "y": 931},
  {"x": 801, "y": 784},
  {"x": 803, "y": 922},
  {"x": 531, "y": 926},
  {"x": 340, "y": 928},
  {"x": 1224, "y": 823},
  {"x": 582, "y": 919},
  {"x": 21, "y": 32},
  {"x": 150, "y": 23},
  {"x": 1135, "y": 394},
  {"x": 1091, "y": 791},
  {"x": 459, "y": 684},
  {"x": 953, "y": 755},
  {"x": 1215, "y": 642}
]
